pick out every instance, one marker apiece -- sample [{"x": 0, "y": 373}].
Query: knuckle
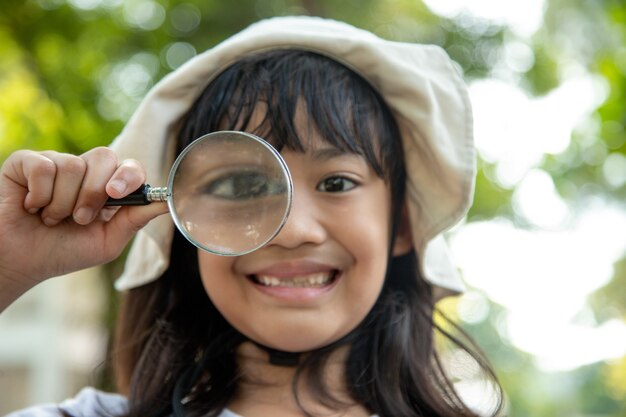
[
  {"x": 103, "y": 155},
  {"x": 132, "y": 164},
  {"x": 44, "y": 168},
  {"x": 132, "y": 170},
  {"x": 73, "y": 165},
  {"x": 21, "y": 154}
]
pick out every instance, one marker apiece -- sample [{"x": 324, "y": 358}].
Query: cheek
[
  {"x": 365, "y": 229},
  {"x": 367, "y": 241},
  {"x": 215, "y": 272},
  {"x": 365, "y": 234}
]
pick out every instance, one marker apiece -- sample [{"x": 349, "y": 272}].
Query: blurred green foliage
[{"x": 72, "y": 72}]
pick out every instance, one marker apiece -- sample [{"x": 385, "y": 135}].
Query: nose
[{"x": 303, "y": 225}]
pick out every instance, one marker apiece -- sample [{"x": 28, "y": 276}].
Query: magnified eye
[
  {"x": 243, "y": 185},
  {"x": 336, "y": 185}
]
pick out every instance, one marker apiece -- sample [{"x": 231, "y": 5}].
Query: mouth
[{"x": 314, "y": 280}]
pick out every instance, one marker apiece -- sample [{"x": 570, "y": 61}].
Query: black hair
[
  {"x": 340, "y": 105},
  {"x": 174, "y": 343}
]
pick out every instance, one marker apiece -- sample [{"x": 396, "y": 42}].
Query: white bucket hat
[{"x": 421, "y": 86}]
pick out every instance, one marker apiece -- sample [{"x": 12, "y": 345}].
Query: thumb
[{"x": 129, "y": 220}]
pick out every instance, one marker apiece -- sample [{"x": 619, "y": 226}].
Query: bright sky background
[{"x": 541, "y": 277}]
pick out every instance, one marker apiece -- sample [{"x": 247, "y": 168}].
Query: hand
[{"x": 52, "y": 219}]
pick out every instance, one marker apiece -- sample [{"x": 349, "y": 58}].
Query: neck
[{"x": 267, "y": 389}]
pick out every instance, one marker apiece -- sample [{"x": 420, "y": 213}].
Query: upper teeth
[{"x": 319, "y": 278}]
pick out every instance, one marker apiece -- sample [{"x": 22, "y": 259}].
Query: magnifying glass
[{"x": 228, "y": 192}]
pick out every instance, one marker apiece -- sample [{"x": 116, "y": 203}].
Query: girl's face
[{"x": 323, "y": 272}]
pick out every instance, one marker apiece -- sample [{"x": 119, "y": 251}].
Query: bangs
[{"x": 284, "y": 95}]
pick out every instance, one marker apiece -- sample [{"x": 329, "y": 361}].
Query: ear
[{"x": 403, "y": 242}]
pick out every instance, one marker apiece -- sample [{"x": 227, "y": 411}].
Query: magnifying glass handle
[{"x": 143, "y": 196}]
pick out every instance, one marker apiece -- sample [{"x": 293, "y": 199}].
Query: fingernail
[
  {"x": 118, "y": 185},
  {"x": 107, "y": 213},
  {"x": 33, "y": 210},
  {"x": 83, "y": 215},
  {"x": 48, "y": 221}
]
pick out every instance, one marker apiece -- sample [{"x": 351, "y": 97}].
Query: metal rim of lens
[{"x": 179, "y": 159}]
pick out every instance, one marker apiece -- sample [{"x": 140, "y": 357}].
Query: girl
[{"x": 334, "y": 317}]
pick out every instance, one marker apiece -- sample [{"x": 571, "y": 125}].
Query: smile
[{"x": 315, "y": 280}]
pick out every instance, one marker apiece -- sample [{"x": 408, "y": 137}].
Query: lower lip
[{"x": 300, "y": 294}]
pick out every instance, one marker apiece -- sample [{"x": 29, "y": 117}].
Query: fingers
[
  {"x": 28, "y": 177},
  {"x": 128, "y": 176},
  {"x": 65, "y": 186},
  {"x": 47, "y": 180},
  {"x": 40, "y": 173},
  {"x": 104, "y": 179},
  {"x": 69, "y": 174},
  {"x": 101, "y": 164}
]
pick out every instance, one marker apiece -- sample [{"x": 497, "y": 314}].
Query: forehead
[
  {"x": 293, "y": 97},
  {"x": 302, "y": 133}
]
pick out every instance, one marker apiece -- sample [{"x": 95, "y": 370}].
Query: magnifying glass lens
[{"x": 230, "y": 193}]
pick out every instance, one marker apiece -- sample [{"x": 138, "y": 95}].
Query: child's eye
[
  {"x": 243, "y": 186},
  {"x": 336, "y": 185}
]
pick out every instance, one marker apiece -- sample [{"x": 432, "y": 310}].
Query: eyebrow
[{"x": 330, "y": 152}]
